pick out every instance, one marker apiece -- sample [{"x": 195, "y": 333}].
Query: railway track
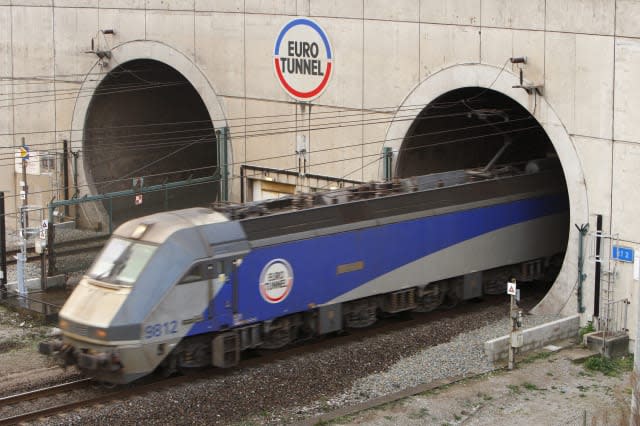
[
  {"x": 63, "y": 248},
  {"x": 66, "y": 397},
  {"x": 20, "y": 407},
  {"x": 83, "y": 393}
]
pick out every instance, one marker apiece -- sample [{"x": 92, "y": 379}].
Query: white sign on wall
[
  {"x": 33, "y": 162},
  {"x": 302, "y": 59}
]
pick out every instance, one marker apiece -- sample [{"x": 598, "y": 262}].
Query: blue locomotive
[{"x": 196, "y": 287}]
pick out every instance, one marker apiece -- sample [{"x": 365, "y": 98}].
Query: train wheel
[
  {"x": 432, "y": 297},
  {"x": 277, "y": 339},
  {"x": 360, "y": 314},
  {"x": 451, "y": 299},
  {"x": 169, "y": 366},
  {"x": 494, "y": 287},
  {"x": 278, "y": 334}
]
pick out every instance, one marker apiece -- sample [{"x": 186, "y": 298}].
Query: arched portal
[
  {"x": 470, "y": 112},
  {"x": 151, "y": 114},
  {"x": 466, "y": 128}
]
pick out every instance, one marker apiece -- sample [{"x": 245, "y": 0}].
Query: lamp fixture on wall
[
  {"x": 103, "y": 54},
  {"x": 529, "y": 88}
]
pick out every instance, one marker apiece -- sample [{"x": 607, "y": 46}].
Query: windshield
[{"x": 121, "y": 261}]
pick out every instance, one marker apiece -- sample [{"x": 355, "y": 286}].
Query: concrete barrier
[
  {"x": 32, "y": 284},
  {"x": 535, "y": 337}
]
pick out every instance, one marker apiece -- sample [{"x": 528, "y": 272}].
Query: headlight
[{"x": 100, "y": 333}]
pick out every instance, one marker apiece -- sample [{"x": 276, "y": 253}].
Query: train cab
[{"x": 152, "y": 285}]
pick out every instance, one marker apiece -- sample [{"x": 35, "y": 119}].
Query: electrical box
[
  {"x": 472, "y": 285},
  {"x": 329, "y": 318},
  {"x": 226, "y": 350},
  {"x": 517, "y": 339},
  {"x": 40, "y": 245}
]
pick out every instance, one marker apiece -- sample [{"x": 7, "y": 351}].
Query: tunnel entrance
[
  {"x": 145, "y": 120},
  {"x": 473, "y": 127},
  {"x": 465, "y": 128}
]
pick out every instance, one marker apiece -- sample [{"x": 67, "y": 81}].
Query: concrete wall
[
  {"x": 585, "y": 54},
  {"x": 534, "y": 338}
]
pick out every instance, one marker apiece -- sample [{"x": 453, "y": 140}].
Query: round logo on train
[
  {"x": 302, "y": 59},
  {"x": 276, "y": 281}
]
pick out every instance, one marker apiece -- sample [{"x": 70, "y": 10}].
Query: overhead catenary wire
[
  {"x": 121, "y": 70},
  {"x": 180, "y": 142},
  {"x": 317, "y": 116},
  {"x": 251, "y": 121},
  {"x": 142, "y": 144},
  {"x": 48, "y": 78},
  {"x": 90, "y": 94},
  {"x": 371, "y": 110},
  {"x": 376, "y": 155}
]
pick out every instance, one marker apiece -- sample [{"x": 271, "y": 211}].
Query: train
[{"x": 196, "y": 287}]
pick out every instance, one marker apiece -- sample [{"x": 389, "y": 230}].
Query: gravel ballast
[{"x": 298, "y": 387}]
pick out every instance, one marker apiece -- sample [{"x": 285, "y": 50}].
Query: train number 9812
[{"x": 157, "y": 330}]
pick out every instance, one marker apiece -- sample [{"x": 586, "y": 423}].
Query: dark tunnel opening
[
  {"x": 465, "y": 128},
  {"x": 147, "y": 121},
  {"x": 471, "y": 127}
]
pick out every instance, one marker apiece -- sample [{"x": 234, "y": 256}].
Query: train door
[{"x": 224, "y": 295}]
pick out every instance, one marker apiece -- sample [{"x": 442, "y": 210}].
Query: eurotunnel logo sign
[
  {"x": 276, "y": 281},
  {"x": 303, "y": 59}
]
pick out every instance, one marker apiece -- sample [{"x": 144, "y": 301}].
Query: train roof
[
  {"x": 171, "y": 222},
  {"x": 270, "y": 221}
]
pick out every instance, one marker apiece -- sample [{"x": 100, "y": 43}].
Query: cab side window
[{"x": 194, "y": 274}]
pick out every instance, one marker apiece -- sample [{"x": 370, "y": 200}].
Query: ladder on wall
[{"x": 612, "y": 319}]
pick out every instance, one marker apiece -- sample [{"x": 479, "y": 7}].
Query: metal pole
[
  {"x": 223, "y": 164},
  {"x": 242, "y": 183},
  {"x": 596, "y": 292},
  {"x": 515, "y": 337},
  {"x": 581, "y": 275},
  {"x": 635, "y": 381},
  {"x": 110, "y": 215},
  {"x": 387, "y": 155},
  {"x": 43, "y": 268},
  {"x": 3, "y": 250},
  {"x": 51, "y": 253},
  {"x": 22, "y": 255},
  {"x": 166, "y": 199},
  {"x": 512, "y": 350},
  {"x": 65, "y": 173},
  {"x": 24, "y": 224},
  {"x": 76, "y": 190},
  {"x": 25, "y": 188}
]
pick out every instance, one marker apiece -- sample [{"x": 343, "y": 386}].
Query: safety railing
[{"x": 615, "y": 319}]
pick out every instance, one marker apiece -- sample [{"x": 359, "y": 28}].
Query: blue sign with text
[{"x": 623, "y": 254}]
